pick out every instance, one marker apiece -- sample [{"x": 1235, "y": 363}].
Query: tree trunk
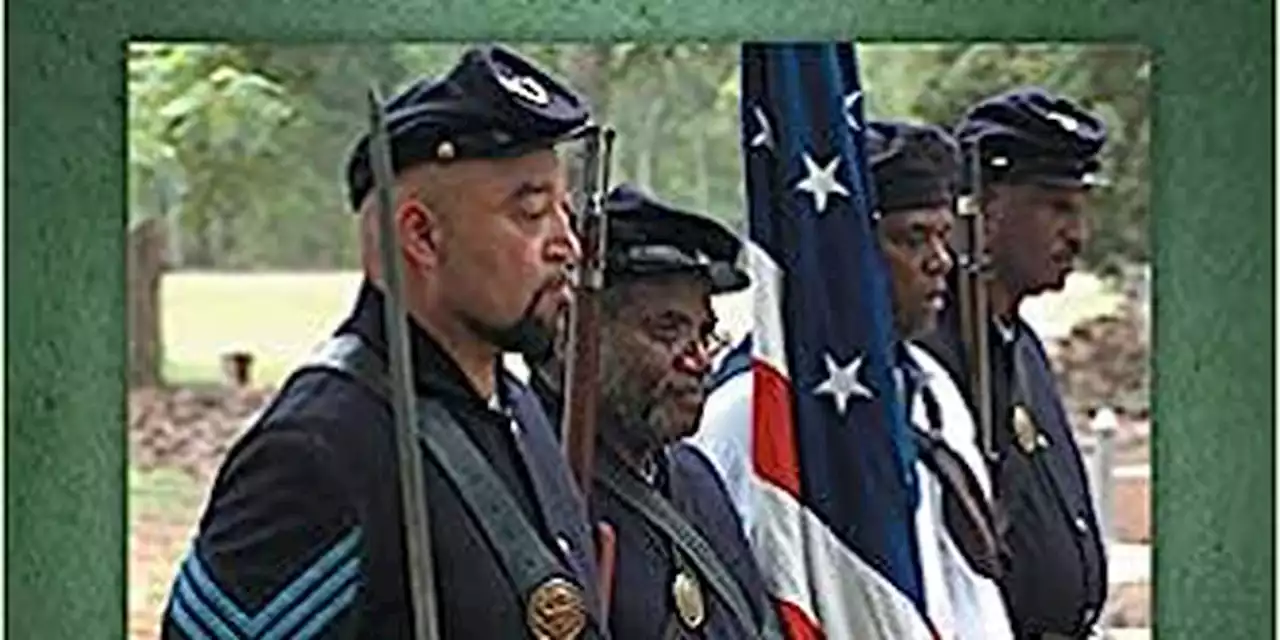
[
  {"x": 587, "y": 70},
  {"x": 146, "y": 264}
]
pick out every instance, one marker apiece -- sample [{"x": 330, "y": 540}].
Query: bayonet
[{"x": 417, "y": 532}]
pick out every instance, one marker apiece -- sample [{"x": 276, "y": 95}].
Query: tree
[
  {"x": 193, "y": 146},
  {"x": 245, "y": 145},
  {"x": 937, "y": 83}
]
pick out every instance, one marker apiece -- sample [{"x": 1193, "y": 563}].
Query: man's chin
[
  {"x": 918, "y": 326},
  {"x": 1055, "y": 284},
  {"x": 528, "y": 337},
  {"x": 922, "y": 328},
  {"x": 682, "y": 423}
]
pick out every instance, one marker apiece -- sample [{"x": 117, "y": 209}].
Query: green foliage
[
  {"x": 202, "y": 131},
  {"x": 937, "y": 83},
  {"x": 245, "y": 145}
]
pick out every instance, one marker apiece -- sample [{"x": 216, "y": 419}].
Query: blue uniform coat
[
  {"x": 642, "y": 604},
  {"x": 1056, "y": 580},
  {"x": 302, "y": 536}
]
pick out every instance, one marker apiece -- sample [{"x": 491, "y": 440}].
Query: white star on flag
[
  {"x": 821, "y": 182},
  {"x": 849, "y": 116},
  {"x": 842, "y": 383},
  {"x": 764, "y": 138}
]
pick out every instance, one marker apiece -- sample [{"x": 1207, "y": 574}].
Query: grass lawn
[
  {"x": 280, "y": 317},
  {"x": 163, "y": 508},
  {"x": 162, "y": 490}
]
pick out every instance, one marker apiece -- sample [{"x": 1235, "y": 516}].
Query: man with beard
[
  {"x": 683, "y": 567},
  {"x": 303, "y": 534},
  {"x": 1039, "y": 159},
  {"x": 915, "y": 173}
]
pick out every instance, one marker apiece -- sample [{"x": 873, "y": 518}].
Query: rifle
[
  {"x": 974, "y": 307},
  {"x": 582, "y": 363},
  {"x": 582, "y": 366},
  {"x": 417, "y": 531}
]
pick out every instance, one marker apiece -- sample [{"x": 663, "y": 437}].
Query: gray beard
[{"x": 628, "y": 412}]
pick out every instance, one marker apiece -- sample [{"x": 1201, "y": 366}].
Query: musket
[
  {"x": 417, "y": 531},
  {"x": 582, "y": 362},
  {"x": 974, "y": 306},
  {"x": 581, "y": 386}
]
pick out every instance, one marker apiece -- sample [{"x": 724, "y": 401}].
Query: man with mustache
[
  {"x": 684, "y": 569},
  {"x": 1039, "y": 160},
  {"x": 915, "y": 169},
  {"x": 303, "y": 534}
]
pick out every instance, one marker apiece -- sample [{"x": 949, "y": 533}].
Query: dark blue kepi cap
[
  {"x": 646, "y": 237},
  {"x": 492, "y": 104},
  {"x": 914, "y": 166},
  {"x": 1030, "y": 135}
]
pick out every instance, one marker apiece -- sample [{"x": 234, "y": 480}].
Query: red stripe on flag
[
  {"x": 795, "y": 624},
  {"x": 773, "y": 430}
]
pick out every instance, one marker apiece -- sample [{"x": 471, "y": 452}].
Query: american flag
[{"x": 830, "y": 473}]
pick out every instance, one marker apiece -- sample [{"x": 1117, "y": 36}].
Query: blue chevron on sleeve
[{"x": 301, "y": 609}]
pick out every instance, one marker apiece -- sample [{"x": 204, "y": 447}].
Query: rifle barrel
[
  {"x": 581, "y": 387},
  {"x": 974, "y": 306}
]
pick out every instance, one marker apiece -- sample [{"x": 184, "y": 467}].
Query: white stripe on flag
[
  {"x": 767, "y": 335},
  {"x": 807, "y": 565}
]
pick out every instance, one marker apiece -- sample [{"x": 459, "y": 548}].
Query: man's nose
[
  {"x": 695, "y": 358},
  {"x": 564, "y": 246},
  {"x": 939, "y": 261},
  {"x": 1076, "y": 230}
]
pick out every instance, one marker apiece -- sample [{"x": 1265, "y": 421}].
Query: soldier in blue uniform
[
  {"x": 302, "y": 536},
  {"x": 684, "y": 569},
  {"x": 1039, "y": 160}
]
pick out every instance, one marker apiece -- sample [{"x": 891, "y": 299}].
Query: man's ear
[{"x": 419, "y": 230}]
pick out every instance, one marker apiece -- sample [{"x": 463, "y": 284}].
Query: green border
[{"x": 1213, "y": 311}]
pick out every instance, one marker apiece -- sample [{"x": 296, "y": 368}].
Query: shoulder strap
[
  {"x": 662, "y": 514},
  {"x": 525, "y": 558},
  {"x": 970, "y": 518}
]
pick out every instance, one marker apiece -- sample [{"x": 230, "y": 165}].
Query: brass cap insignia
[
  {"x": 556, "y": 611},
  {"x": 689, "y": 603},
  {"x": 526, "y": 88},
  {"x": 1064, "y": 120}
]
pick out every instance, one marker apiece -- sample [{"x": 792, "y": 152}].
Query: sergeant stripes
[{"x": 300, "y": 610}]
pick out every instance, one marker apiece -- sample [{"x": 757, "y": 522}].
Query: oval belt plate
[
  {"x": 556, "y": 611},
  {"x": 689, "y": 602}
]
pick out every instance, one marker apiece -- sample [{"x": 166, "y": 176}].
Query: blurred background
[{"x": 242, "y": 255}]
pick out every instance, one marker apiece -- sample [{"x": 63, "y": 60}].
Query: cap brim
[
  {"x": 726, "y": 278},
  {"x": 722, "y": 276},
  {"x": 1087, "y": 181}
]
